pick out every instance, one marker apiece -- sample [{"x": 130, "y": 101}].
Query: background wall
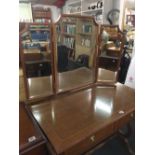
[
  {"x": 108, "y": 5},
  {"x": 25, "y": 12},
  {"x": 107, "y": 8}
]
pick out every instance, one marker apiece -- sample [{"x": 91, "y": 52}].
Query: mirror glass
[
  {"x": 76, "y": 49},
  {"x": 111, "y": 49},
  {"x": 36, "y": 57}
]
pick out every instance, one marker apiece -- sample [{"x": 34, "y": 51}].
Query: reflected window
[
  {"x": 25, "y": 12},
  {"x": 104, "y": 106}
]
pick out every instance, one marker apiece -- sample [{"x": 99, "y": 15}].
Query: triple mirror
[{"x": 63, "y": 56}]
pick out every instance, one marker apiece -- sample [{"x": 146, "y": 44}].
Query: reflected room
[
  {"x": 76, "y": 48},
  {"x": 36, "y": 56}
]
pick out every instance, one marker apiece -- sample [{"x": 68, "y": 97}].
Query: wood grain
[{"x": 28, "y": 129}]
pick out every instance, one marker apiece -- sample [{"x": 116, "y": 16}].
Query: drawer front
[
  {"x": 90, "y": 142},
  {"x": 110, "y": 64},
  {"x": 98, "y": 137}
]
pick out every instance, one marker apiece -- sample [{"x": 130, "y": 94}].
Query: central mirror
[{"x": 76, "y": 44}]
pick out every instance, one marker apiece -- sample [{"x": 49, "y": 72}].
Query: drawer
[
  {"x": 96, "y": 138},
  {"x": 108, "y": 63},
  {"x": 38, "y": 69},
  {"x": 90, "y": 141}
]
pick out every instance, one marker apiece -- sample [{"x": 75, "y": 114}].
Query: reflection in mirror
[
  {"x": 36, "y": 55},
  {"x": 111, "y": 49},
  {"x": 76, "y": 46}
]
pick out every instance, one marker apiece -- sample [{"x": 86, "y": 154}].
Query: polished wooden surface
[
  {"x": 106, "y": 75},
  {"x": 76, "y": 122},
  {"x": 76, "y": 78},
  {"x": 40, "y": 86},
  {"x": 27, "y": 128}
]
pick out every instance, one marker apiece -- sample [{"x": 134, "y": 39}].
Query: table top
[{"x": 69, "y": 119}]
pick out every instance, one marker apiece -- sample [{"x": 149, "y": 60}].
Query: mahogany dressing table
[{"x": 80, "y": 111}]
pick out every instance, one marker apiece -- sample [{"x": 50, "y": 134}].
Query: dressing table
[
  {"x": 76, "y": 109},
  {"x": 77, "y": 122}
]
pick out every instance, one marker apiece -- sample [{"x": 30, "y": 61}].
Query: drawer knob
[
  {"x": 121, "y": 112},
  {"x": 92, "y": 138},
  {"x": 31, "y": 139}
]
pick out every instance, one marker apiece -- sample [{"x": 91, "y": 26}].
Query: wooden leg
[
  {"x": 124, "y": 137},
  {"x": 128, "y": 133}
]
